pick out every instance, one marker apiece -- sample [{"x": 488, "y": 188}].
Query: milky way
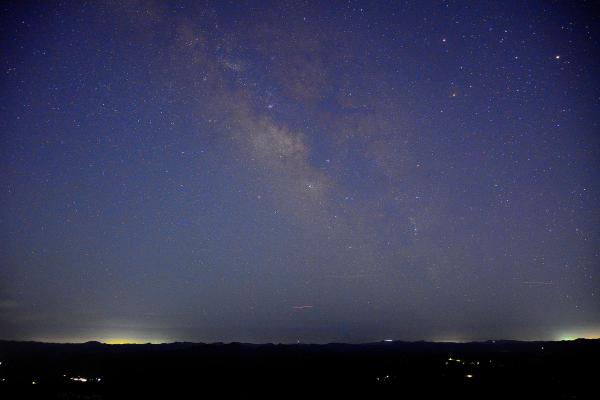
[{"x": 334, "y": 171}]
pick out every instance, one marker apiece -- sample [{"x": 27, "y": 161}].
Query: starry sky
[{"x": 281, "y": 171}]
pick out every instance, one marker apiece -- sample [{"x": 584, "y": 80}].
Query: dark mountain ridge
[{"x": 494, "y": 369}]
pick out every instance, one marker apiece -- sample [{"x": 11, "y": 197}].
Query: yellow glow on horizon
[
  {"x": 107, "y": 339},
  {"x": 562, "y": 338},
  {"x": 581, "y": 333},
  {"x": 130, "y": 340},
  {"x": 120, "y": 341},
  {"x": 129, "y": 337}
]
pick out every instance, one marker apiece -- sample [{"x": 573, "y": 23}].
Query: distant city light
[
  {"x": 579, "y": 333},
  {"x": 131, "y": 338},
  {"x": 388, "y": 340},
  {"x": 84, "y": 379},
  {"x": 567, "y": 337},
  {"x": 469, "y": 376}
]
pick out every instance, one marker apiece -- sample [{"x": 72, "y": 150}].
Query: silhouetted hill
[{"x": 493, "y": 369}]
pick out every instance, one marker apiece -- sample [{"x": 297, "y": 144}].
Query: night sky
[{"x": 291, "y": 171}]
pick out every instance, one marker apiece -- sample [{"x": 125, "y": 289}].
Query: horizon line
[{"x": 382, "y": 341}]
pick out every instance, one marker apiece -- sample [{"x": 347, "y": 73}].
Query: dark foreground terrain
[{"x": 501, "y": 369}]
